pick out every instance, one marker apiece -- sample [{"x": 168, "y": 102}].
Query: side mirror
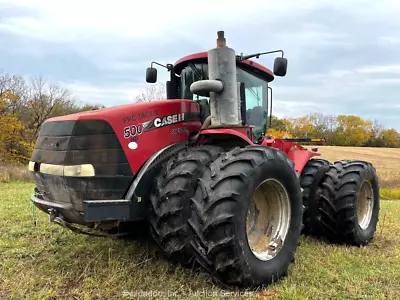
[
  {"x": 151, "y": 75},
  {"x": 280, "y": 66}
]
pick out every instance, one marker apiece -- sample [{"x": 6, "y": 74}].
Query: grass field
[{"x": 48, "y": 262}]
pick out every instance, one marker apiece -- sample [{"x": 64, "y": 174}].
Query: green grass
[
  {"x": 390, "y": 194},
  {"x": 49, "y": 262}
]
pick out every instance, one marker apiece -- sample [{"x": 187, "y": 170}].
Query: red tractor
[{"x": 199, "y": 170}]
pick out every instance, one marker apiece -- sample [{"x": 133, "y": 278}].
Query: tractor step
[
  {"x": 94, "y": 210},
  {"x": 107, "y": 210}
]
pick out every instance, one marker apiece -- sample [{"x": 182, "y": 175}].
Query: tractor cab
[{"x": 251, "y": 75}]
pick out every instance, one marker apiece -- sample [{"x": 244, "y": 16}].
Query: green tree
[
  {"x": 278, "y": 124},
  {"x": 13, "y": 146},
  {"x": 390, "y": 138},
  {"x": 352, "y": 130}
]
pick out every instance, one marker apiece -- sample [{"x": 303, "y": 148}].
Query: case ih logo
[{"x": 170, "y": 120}]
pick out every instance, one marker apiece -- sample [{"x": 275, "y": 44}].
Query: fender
[
  {"x": 131, "y": 208},
  {"x": 154, "y": 160},
  {"x": 228, "y": 131},
  {"x": 226, "y": 138},
  {"x": 229, "y": 138},
  {"x": 295, "y": 152},
  {"x": 300, "y": 157}
]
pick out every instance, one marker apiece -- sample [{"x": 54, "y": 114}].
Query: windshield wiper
[
  {"x": 196, "y": 71},
  {"x": 255, "y": 95}
]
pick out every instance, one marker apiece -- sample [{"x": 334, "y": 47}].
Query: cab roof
[{"x": 248, "y": 64}]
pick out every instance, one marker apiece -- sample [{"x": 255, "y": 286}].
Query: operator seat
[
  {"x": 255, "y": 117},
  {"x": 204, "y": 109}
]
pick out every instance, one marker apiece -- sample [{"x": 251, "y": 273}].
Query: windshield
[
  {"x": 190, "y": 74},
  {"x": 256, "y": 90}
]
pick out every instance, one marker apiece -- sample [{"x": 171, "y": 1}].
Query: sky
[{"x": 343, "y": 56}]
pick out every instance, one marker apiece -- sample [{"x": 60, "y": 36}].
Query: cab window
[{"x": 256, "y": 90}]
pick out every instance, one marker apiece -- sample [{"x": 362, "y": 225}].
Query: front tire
[
  {"x": 170, "y": 206},
  {"x": 247, "y": 182}
]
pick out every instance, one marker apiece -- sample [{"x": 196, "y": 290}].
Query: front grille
[{"x": 79, "y": 142}]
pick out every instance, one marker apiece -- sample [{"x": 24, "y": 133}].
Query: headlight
[
  {"x": 85, "y": 170},
  {"x": 79, "y": 170}
]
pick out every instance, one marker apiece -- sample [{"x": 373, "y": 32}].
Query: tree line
[
  {"x": 340, "y": 130},
  {"x": 26, "y": 104}
]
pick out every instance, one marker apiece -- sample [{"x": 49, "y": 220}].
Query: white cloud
[
  {"x": 106, "y": 95},
  {"x": 76, "y": 19},
  {"x": 69, "y": 20},
  {"x": 389, "y": 40},
  {"x": 380, "y": 69}
]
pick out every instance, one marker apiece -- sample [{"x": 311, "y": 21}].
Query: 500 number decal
[{"x": 133, "y": 130}]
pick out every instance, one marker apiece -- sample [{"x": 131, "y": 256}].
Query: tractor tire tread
[
  {"x": 170, "y": 200},
  {"x": 338, "y": 202},
  {"x": 310, "y": 178}
]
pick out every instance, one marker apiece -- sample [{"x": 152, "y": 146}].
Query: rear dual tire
[
  {"x": 310, "y": 178},
  {"x": 349, "y": 203}
]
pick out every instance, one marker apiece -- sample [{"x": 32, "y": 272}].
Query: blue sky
[{"x": 343, "y": 55}]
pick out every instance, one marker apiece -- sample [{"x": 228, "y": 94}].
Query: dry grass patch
[
  {"x": 9, "y": 172},
  {"x": 385, "y": 160}
]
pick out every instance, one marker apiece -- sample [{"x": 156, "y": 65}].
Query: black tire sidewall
[
  {"x": 312, "y": 191},
  {"x": 261, "y": 271}
]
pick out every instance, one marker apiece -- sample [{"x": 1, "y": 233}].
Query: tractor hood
[{"x": 89, "y": 156}]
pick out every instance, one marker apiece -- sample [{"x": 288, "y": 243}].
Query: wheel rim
[
  {"x": 268, "y": 219},
  {"x": 365, "y": 205}
]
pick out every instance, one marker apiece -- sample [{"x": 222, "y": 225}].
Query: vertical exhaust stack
[
  {"x": 221, "y": 86},
  {"x": 224, "y": 106}
]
